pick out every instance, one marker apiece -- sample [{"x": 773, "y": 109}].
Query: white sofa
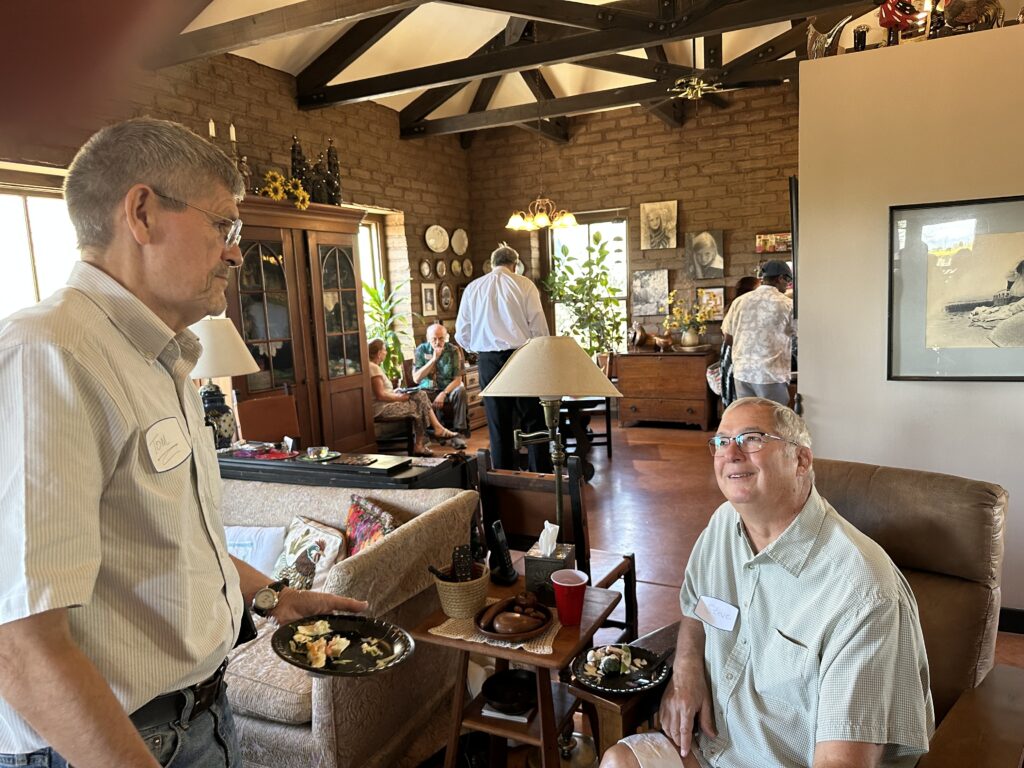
[{"x": 286, "y": 718}]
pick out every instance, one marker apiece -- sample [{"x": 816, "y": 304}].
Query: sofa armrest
[{"x": 984, "y": 727}]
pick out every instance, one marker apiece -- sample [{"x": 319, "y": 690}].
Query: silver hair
[
  {"x": 504, "y": 256},
  {"x": 787, "y": 423},
  {"x": 432, "y": 326},
  {"x": 163, "y": 154}
]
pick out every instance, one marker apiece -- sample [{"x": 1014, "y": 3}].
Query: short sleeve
[
  {"x": 691, "y": 589},
  {"x": 419, "y": 357}
]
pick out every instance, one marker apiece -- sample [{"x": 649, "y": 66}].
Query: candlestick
[
  {"x": 213, "y": 129},
  {"x": 231, "y": 132}
]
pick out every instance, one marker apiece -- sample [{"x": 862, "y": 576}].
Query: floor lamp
[
  {"x": 224, "y": 354},
  {"x": 550, "y": 368}
]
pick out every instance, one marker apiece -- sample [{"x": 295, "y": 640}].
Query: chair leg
[
  {"x": 608, "y": 426},
  {"x": 410, "y": 437},
  {"x": 629, "y": 588}
]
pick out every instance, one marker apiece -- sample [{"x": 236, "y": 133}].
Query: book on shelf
[{"x": 488, "y": 711}]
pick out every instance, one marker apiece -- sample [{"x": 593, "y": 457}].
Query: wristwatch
[{"x": 266, "y": 598}]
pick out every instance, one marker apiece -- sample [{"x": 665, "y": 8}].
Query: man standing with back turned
[
  {"x": 117, "y": 593},
  {"x": 499, "y": 313}
]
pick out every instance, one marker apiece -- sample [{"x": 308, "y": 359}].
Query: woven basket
[{"x": 462, "y": 599}]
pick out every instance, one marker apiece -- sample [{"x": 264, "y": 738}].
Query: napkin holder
[{"x": 540, "y": 567}]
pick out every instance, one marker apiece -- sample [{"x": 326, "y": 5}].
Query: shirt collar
[{"x": 793, "y": 546}]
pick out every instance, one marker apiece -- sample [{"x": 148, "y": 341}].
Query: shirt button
[
  {"x": 729, "y": 676},
  {"x": 750, "y": 566},
  {"x": 743, "y": 641}
]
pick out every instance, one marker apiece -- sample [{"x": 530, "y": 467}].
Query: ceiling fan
[{"x": 694, "y": 88}]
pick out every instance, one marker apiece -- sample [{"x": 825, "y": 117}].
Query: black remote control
[
  {"x": 462, "y": 563},
  {"x": 502, "y": 570}
]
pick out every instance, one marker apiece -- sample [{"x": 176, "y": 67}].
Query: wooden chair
[
  {"x": 397, "y": 433},
  {"x": 269, "y": 419},
  {"x": 523, "y": 501}
]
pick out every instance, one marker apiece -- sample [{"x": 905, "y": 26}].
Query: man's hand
[
  {"x": 299, "y": 603},
  {"x": 439, "y": 400},
  {"x": 687, "y": 699},
  {"x": 437, "y": 352}
]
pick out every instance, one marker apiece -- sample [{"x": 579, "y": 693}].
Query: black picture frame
[{"x": 956, "y": 291}]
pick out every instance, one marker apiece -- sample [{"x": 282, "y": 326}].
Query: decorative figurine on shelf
[
  {"x": 299, "y": 166},
  {"x": 246, "y": 172},
  {"x": 970, "y": 15},
  {"x": 822, "y": 44},
  {"x": 333, "y": 174},
  {"x": 937, "y": 24},
  {"x": 860, "y": 37},
  {"x": 318, "y": 181},
  {"x": 898, "y": 16},
  {"x": 637, "y": 336}
]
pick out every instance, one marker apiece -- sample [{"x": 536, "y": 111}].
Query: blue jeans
[{"x": 208, "y": 741}]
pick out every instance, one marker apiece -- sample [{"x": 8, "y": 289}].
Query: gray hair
[
  {"x": 504, "y": 256},
  {"x": 787, "y": 423},
  {"x": 163, "y": 154},
  {"x": 437, "y": 325}
]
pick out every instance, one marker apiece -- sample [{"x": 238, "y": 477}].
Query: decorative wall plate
[
  {"x": 437, "y": 238},
  {"x": 520, "y": 267},
  {"x": 441, "y": 267},
  {"x": 460, "y": 241},
  {"x": 467, "y": 267},
  {"x": 425, "y": 267},
  {"x": 456, "y": 267},
  {"x": 445, "y": 297},
  {"x": 487, "y": 266}
]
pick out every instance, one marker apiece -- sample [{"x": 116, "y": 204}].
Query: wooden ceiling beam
[
  {"x": 481, "y": 100},
  {"x": 712, "y": 52},
  {"x": 552, "y": 130},
  {"x": 791, "y": 40},
  {"x": 672, "y": 113},
  {"x": 270, "y": 25},
  {"x": 656, "y": 53},
  {"x": 571, "y": 49},
  {"x": 541, "y": 90},
  {"x": 631, "y": 65},
  {"x": 573, "y": 14},
  {"x": 347, "y": 48}
]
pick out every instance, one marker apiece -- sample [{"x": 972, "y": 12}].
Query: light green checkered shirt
[{"x": 827, "y": 645}]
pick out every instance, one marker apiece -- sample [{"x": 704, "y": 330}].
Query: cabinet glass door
[
  {"x": 341, "y": 311},
  {"x": 264, "y": 311}
]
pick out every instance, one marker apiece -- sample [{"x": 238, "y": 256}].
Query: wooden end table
[{"x": 555, "y": 704}]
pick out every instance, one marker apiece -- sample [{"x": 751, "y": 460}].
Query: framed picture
[
  {"x": 446, "y": 298},
  {"x": 703, "y": 258},
  {"x": 429, "y": 293},
  {"x": 650, "y": 291},
  {"x": 956, "y": 291},
  {"x": 714, "y": 300},
  {"x": 780, "y": 242},
  {"x": 459, "y": 290},
  {"x": 658, "y": 225}
]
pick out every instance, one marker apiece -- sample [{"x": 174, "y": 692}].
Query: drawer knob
[
  {"x": 690, "y": 410},
  {"x": 632, "y": 408}
]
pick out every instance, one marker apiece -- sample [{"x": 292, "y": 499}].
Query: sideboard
[{"x": 666, "y": 386}]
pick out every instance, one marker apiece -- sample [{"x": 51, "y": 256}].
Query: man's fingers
[{"x": 707, "y": 719}]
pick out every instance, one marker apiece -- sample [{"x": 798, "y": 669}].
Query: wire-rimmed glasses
[
  {"x": 230, "y": 229},
  {"x": 748, "y": 442}
]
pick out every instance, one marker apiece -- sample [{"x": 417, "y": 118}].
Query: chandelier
[
  {"x": 541, "y": 213},
  {"x": 694, "y": 88}
]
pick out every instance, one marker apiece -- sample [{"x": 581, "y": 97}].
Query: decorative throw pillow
[
  {"x": 365, "y": 523},
  {"x": 310, "y": 549},
  {"x": 259, "y": 546}
]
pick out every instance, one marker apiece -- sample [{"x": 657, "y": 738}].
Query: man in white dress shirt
[
  {"x": 118, "y": 599},
  {"x": 500, "y": 312}
]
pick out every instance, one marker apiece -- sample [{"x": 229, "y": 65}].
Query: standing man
[
  {"x": 437, "y": 370},
  {"x": 759, "y": 328},
  {"x": 499, "y": 313},
  {"x": 119, "y": 600},
  {"x": 800, "y": 642}
]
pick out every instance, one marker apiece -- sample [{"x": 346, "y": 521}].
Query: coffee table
[{"x": 555, "y": 704}]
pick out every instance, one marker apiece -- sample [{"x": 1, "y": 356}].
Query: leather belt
[{"x": 171, "y": 707}]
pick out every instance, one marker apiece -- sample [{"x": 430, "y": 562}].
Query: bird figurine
[
  {"x": 968, "y": 15},
  {"x": 637, "y": 335},
  {"x": 302, "y": 570},
  {"x": 822, "y": 44},
  {"x": 899, "y": 16}
]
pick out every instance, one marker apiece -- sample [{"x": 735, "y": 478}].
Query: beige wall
[{"x": 920, "y": 123}]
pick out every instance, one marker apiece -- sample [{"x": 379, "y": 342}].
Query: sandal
[
  {"x": 445, "y": 434},
  {"x": 423, "y": 452}
]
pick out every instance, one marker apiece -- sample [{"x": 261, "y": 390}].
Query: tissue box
[{"x": 539, "y": 569}]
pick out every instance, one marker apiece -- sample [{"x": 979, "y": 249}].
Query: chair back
[
  {"x": 268, "y": 419},
  {"x": 945, "y": 534}
]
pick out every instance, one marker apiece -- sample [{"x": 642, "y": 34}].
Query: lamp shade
[
  {"x": 550, "y": 367},
  {"x": 224, "y": 352}
]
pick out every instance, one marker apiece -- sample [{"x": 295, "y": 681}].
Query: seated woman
[{"x": 387, "y": 402}]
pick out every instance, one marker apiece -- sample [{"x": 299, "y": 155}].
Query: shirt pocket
[{"x": 788, "y": 673}]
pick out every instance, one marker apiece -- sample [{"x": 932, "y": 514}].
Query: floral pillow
[
  {"x": 310, "y": 549},
  {"x": 366, "y": 523}
]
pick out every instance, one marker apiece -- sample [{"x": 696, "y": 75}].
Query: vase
[{"x": 690, "y": 338}]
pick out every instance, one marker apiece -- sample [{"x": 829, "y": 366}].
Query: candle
[
  {"x": 231, "y": 132},
  {"x": 213, "y": 129}
]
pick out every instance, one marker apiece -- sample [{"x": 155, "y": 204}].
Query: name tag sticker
[
  {"x": 718, "y": 613},
  {"x": 167, "y": 444}
]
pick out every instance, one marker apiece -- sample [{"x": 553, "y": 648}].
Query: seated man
[
  {"x": 800, "y": 642},
  {"x": 437, "y": 369}
]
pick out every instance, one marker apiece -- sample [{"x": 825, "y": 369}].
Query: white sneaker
[{"x": 458, "y": 443}]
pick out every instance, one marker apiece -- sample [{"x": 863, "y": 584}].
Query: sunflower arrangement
[
  {"x": 682, "y": 318},
  {"x": 277, "y": 187}
]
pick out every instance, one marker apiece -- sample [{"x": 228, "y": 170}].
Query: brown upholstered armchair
[{"x": 946, "y": 534}]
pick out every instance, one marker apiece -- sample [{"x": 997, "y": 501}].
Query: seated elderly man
[
  {"x": 800, "y": 643},
  {"x": 437, "y": 369}
]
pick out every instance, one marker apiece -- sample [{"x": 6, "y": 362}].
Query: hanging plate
[
  {"x": 467, "y": 267},
  {"x": 425, "y": 267},
  {"x": 441, "y": 268},
  {"x": 456, "y": 267},
  {"x": 460, "y": 241},
  {"x": 437, "y": 238}
]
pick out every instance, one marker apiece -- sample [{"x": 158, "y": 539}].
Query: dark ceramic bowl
[{"x": 513, "y": 691}]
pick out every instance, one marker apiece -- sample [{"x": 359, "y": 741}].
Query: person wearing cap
[
  {"x": 499, "y": 313},
  {"x": 760, "y": 330}
]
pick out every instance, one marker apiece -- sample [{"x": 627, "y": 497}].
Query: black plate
[
  {"x": 513, "y": 691},
  {"x": 394, "y": 642},
  {"x": 642, "y": 681}
]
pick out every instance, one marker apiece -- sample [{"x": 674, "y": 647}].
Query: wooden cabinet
[
  {"x": 471, "y": 380},
  {"x": 297, "y": 300},
  {"x": 669, "y": 386}
]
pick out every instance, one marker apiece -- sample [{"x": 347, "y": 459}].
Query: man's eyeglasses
[
  {"x": 230, "y": 229},
  {"x": 748, "y": 442}
]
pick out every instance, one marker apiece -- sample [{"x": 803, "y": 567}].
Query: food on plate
[
  {"x": 610, "y": 660},
  {"x": 320, "y": 645}
]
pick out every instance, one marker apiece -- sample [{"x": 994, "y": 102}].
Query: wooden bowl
[
  {"x": 515, "y": 636},
  {"x": 513, "y": 691}
]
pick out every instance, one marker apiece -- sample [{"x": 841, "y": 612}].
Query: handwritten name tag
[
  {"x": 167, "y": 444},
  {"x": 718, "y": 613}
]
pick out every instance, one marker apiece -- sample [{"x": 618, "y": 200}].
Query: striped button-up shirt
[
  {"x": 827, "y": 645},
  {"x": 499, "y": 312},
  {"x": 93, "y": 517}
]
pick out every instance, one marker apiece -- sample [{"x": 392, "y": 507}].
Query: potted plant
[
  {"x": 384, "y": 321},
  {"x": 690, "y": 320},
  {"x": 585, "y": 291}
]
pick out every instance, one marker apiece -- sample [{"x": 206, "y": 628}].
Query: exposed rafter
[
  {"x": 549, "y": 129},
  {"x": 557, "y": 128},
  {"x": 481, "y": 100},
  {"x": 573, "y": 14}
]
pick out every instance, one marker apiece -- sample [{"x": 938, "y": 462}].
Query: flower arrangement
[
  {"x": 685, "y": 318},
  {"x": 277, "y": 187}
]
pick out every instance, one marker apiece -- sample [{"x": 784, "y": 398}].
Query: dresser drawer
[
  {"x": 663, "y": 409},
  {"x": 471, "y": 379}
]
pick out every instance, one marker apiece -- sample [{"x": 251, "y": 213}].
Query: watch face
[{"x": 265, "y": 599}]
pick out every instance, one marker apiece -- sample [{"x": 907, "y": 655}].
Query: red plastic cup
[{"x": 570, "y": 587}]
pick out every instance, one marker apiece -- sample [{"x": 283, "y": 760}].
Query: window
[
  {"x": 371, "y": 255},
  {"x": 610, "y": 225},
  {"x": 39, "y": 248}
]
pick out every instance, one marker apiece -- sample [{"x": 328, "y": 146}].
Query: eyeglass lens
[{"x": 748, "y": 442}]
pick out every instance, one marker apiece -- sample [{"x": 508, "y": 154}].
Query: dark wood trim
[
  {"x": 656, "y": 53},
  {"x": 1011, "y": 620},
  {"x": 571, "y": 13},
  {"x": 712, "y": 52},
  {"x": 631, "y": 65},
  {"x": 481, "y": 99},
  {"x": 556, "y": 129}
]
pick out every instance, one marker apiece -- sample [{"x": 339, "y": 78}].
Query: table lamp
[
  {"x": 224, "y": 354},
  {"x": 550, "y": 368}
]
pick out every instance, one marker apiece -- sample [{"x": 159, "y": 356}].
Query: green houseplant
[
  {"x": 384, "y": 321},
  {"x": 586, "y": 291}
]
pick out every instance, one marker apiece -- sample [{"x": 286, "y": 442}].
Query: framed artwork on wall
[
  {"x": 703, "y": 259},
  {"x": 779, "y": 242},
  {"x": 428, "y": 291},
  {"x": 713, "y": 299},
  {"x": 649, "y": 291},
  {"x": 956, "y": 291},
  {"x": 658, "y": 225}
]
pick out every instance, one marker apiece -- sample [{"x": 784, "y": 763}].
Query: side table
[{"x": 555, "y": 704}]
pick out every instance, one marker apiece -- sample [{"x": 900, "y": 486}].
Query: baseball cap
[{"x": 776, "y": 269}]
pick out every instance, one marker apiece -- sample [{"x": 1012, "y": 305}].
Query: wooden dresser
[
  {"x": 666, "y": 386},
  {"x": 471, "y": 380}
]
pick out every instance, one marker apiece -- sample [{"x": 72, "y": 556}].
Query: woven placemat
[{"x": 465, "y": 629}]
